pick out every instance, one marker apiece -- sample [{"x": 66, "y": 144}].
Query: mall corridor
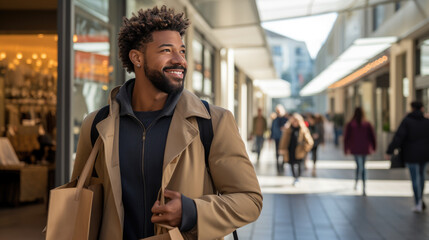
[
  {"x": 324, "y": 207},
  {"x": 327, "y": 208}
]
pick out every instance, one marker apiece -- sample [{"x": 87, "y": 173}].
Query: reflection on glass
[
  {"x": 93, "y": 66},
  {"x": 424, "y": 58},
  {"x": 28, "y": 92},
  {"x": 197, "y": 80},
  {"x": 208, "y": 61}
]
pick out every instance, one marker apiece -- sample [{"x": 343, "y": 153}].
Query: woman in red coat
[{"x": 359, "y": 140}]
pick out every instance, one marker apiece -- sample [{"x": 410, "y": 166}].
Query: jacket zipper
[{"x": 143, "y": 148}]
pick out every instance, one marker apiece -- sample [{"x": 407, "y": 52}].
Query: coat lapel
[
  {"x": 182, "y": 131},
  {"x": 180, "y": 135},
  {"x": 109, "y": 133}
]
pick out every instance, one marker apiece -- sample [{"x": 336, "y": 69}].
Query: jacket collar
[
  {"x": 125, "y": 94},
  {"x": 417, "y": 114},
  {"x": 186, "y": 103},
  {"x": 189, "y": 105}
]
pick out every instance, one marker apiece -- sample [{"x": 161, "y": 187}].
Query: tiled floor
[
  {"x": 322, "y": 207},
  {"x": 327, "y": 206}
]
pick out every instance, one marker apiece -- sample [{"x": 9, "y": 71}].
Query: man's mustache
[{"x": 174, "y": 67}]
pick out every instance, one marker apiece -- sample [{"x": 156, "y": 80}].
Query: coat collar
[
  {"x": 188, "y": 104},
  {"x": 125, "y": 94}
]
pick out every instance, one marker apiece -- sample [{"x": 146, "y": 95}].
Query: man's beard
[{"x": 161, "y": 82}]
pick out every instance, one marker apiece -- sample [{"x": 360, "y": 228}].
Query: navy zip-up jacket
[{"x": 141, "y": 156}]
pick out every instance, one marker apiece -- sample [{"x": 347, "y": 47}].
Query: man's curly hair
[{"x": 137, "y": 30}]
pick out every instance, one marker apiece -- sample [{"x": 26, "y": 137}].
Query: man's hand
[
  {"x": 387, "y": 156},
  {"x": 170, "y": 213}
]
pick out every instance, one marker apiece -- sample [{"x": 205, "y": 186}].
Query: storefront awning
[
  {"x": 275, "y": 88},
  {"x": 236, "y": 25},
  {"x": 272, "y": 10},
  {"x": 360, "y": 52}
]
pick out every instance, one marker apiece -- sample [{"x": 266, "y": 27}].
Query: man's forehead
[{"x": 167, "y": 37}]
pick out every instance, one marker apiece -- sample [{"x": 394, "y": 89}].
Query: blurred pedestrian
[
  {"x": 338, "y": 120},
  {"x": 328, "y": 128},
  {"x": 412, "y": 138},
  {"x": 359, "y": 140},
  {"x": 259, "y": 128},
  {"x": 295, "y": 143},
  {"x": 276, "y": 133},
  {"x": 317, "y": 133}
]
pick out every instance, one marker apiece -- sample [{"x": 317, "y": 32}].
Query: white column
[
  {"x": 243, "y": 111},
  {"x": 227, "y": 79}
]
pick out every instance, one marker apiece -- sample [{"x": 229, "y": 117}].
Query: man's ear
[{"x": 136, "y": 58}]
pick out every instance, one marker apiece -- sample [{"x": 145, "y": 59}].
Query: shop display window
[
  {"x": 95, "y": 58},
  {"x": 28, "y": 88},
  {"x": 202, "y": 76},
  {"x": 424, "y": 58}
]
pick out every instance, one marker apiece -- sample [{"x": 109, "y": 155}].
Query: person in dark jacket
[
  {"x": 259, "y": 128},
  {"x": 412, "y": 137},
  {"x": 359, "y": 140},
  {"x": 276, "y": 133},
  {"x": 317, "y": 132}
]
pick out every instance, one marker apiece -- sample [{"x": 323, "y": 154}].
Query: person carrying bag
[{"x": 152, "y": 149}]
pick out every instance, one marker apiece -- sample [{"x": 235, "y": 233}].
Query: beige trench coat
[
  {"x": 183, "y": 171},
  {"x": 305, "y": 143}
]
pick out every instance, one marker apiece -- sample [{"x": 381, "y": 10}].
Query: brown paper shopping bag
[
  {"x": 75, "y": 208},
  {"x": 172, "y": 234}
]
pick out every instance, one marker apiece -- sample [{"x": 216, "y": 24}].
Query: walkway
[{"x": 327, "y": 207}]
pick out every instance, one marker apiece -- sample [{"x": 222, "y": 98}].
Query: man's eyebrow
[
  {"x": 169, "y": 45},
  {"x": 165, "y": 45}
]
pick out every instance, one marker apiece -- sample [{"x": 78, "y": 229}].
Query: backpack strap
[
  {"x": 206, "y": 134},
  {"x": 101, "y": 114}
]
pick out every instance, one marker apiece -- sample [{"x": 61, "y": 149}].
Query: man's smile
[{"x": 177, "y": 73}]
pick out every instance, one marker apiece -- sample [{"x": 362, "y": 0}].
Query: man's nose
[{"x": 179, "y": 59}]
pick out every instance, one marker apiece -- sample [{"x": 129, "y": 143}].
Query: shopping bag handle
[{"x": 87, "y": 168}]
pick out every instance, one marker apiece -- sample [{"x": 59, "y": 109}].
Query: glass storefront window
[
  {"x": 208, "y": 79},
  {"x": 405, "y": 83},
  {"x": 424, "y": 58},
  {"x": 202, "y": 77},
  {"x": 236, "y": 91},
  {"x": 94, "y": 58},
  {"x": 378, "y": 17},
  {"x": 197, "y": 76},
  {"x": 28, "y": 92}
]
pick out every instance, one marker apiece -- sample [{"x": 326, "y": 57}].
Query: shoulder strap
[
  {"x": 206, "y": 134},
  {"x": 101, "y": 114}
]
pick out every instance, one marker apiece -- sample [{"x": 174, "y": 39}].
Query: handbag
[
  {"x": 396, "y": 160},
  {"x": 75, "y": 209},
  {"x": 254, "y": 146}
]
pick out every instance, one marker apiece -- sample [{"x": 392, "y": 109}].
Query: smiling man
[{"x": 153, "y": 165}]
